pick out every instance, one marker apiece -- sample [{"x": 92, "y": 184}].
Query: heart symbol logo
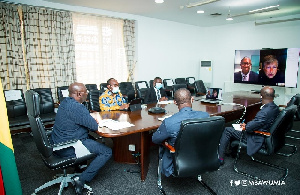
[{"x": 238, "y": 182}]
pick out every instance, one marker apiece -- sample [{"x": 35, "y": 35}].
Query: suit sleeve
[
  {"x": 82, "y": 117},
  {"x": 161, "y": 134}
]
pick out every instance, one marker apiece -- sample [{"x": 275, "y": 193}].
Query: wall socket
[{"x": 131, "y": 147}]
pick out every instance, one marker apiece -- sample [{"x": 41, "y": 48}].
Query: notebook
[{"x": 213, "y": 95}]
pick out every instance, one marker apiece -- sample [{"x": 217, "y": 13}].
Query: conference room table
[{"x": 231, "y": 108}]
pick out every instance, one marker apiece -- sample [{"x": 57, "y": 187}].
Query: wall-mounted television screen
[{"x": 273, "y": 67}]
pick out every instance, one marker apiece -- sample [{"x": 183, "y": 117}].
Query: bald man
[
  {"x": 261, "y": 122},
  {"x": 246, "y": 74},
  {"x": 73, "y": 121},
  {"x": 170, "y": 127}
]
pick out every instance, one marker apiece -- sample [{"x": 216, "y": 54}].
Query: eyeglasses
[{"x": 246, "y": 64}]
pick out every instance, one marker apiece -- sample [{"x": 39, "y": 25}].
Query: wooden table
[{"x": 140, "y": 134}]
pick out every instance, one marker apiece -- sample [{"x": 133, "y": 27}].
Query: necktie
[{"x": 244, "y": 78}]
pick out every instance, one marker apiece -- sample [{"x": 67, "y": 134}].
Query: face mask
[
  {"x": 158, "y": 85},
  {"x": 115, "y": 89}
]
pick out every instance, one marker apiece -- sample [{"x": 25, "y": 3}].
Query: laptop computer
[{"x": 213, "y": 95}]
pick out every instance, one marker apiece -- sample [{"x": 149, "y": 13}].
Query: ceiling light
[
  {"x": 229, "y": 18},
  {"x": 200, "y": 3},
  {"x": 159, "y": 1},
  {"x": 200, "y": 12},
  {"x": 256, "y": 11}
]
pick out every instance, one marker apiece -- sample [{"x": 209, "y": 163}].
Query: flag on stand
[{"x": 9, "y": 177}]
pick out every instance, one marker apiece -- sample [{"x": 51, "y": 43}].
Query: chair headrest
[{"x": 32, "y": 103}]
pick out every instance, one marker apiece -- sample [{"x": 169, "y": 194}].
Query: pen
[{"x": 243, "y": 121}]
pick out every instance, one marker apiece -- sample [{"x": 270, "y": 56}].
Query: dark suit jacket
[
  {"x": 253, "y": 77},
  {"x": 262, "y": 122},
  {"x": 150, "y": 95}
]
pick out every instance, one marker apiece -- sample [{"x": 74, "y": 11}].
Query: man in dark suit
[
  {"x": 170, "y": 127},
  {"x": 246, "y": 75},
  {"x": 156, "y": 93},
  {"x": 261, "y": 122}
]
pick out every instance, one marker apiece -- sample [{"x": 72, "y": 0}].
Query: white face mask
[
  {"x": 115, "y": 89},
  {"x": 158, "y": 85}
]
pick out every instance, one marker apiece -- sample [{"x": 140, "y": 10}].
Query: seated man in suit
[
  {"x": 170, "y": 127},
  {"x": 246, "y": 75},
  {"x": 261, "y": 122},
  {"x": 156, "y": 93},
  {"x": 112, "y": 98},
  {"x": 73, "y": 121}
]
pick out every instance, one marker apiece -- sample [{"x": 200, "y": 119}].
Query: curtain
[
  {"x": 12, "y": 71},
  {"x": 99, "y": 49},
  {"x": 49, "y": 47},
  {"x": 129, "y": 43}
]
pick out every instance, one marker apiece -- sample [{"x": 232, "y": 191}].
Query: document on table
[
  {"x": 114, "y": 125},
  {"x": 163, "y": 118},
  {"x": 237, "y": 127},
  {"x": 166, "y": 102}
]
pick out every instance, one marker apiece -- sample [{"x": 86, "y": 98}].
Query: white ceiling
[{"x": 172, "y": 10}]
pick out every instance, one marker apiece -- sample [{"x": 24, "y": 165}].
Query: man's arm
[
  {"x": 82, "y": 117},
  {"x": 258, "y": 122},
  {"x": 161, "y": 134}
]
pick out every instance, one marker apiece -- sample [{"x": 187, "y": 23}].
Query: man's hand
[
  {"x": 124, "y": 106},
  {"x": 243, "y": 126}
]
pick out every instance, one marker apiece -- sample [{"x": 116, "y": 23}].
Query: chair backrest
[
  {"x": 295, "y": 100},
  {"x": 103, "y": 86},
  {"x": 190, "y": 80},
  {"x": 62, "y": 93},
  {"x": 281, "y": 125},
  {"x": 36, "y": 124},
  {"x": 180, "y": 81},
  {"x": 15, "y": 103},
  {"x": 94, "y": 100},
  {"x": 200, "y": 88},
  {"x": 151, "y": 83},
  {"x": 168, "y": 84},
  {"x": 141, "y": 85},
  {"x": 91, "y": 86},
  {"x": 178, "y": 86},
  {"x": 46, "y": 100},
  {"x": 127, "y": 89},
  {"x": 196, "y": 146}
]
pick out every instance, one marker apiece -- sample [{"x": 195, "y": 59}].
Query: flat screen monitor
[{"x": 271, "y": 67}]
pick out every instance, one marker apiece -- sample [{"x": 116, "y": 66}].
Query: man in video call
[
  {"x": 170, "y": 127},
  {"x": 270, "y": 74},
  {"x": 261, "y": 122},
  {"x": 156, "y": 93},
  {"x": 246, "y": 75}
]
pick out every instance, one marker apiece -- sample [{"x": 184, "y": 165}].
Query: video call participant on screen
[
  {"x": 270, "y": 74},
  {"x": 73, "y": 122},
  {"x": 170, "y": 127},
  {"x": 156, "y": 93},
  {"x": 261, "y": 122},
  {"x": 246, "y": 75},
  {"x": 112, "y": 98}
]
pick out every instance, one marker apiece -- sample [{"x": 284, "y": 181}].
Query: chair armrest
[
  {"x": 80, "y": 149},
  {"x": 263, "y": 133},
  {"x": 169, "y": 147}
]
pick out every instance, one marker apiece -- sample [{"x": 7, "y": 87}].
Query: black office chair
[
  {"x": 151, "y": 83},
  {"x": 47, "y": 113},
  {"x": 168, "y": 85},
  {"x": 127, "y": 90},
  {"x": 200, "y": 89},
  {"x": 190, "y": 82},
  {"x": 274, "y": 141},
  {"x": 295, "y": 100},
  {"x": 47, "y": 149},
  {"x": 178, "y": 86},
  {"x": 103, "y": 86},
  {"x": 180, "y": 81},
  {"x": 94, "y": 100},
  {"x": 141, "y": 87},
  {"x": 196, "y": 149},
  {"x": 16, "y": 108},
  {"x": 62, "y": 93},
  {"x": 91, "y": 86}
]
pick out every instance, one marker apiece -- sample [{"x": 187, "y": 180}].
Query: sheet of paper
[
  {"x": 163, "y": 118},
  {"x": 237, "y": 127},
  {"x": 166, "y": 102},
  {"x": 114, "y": 125}
]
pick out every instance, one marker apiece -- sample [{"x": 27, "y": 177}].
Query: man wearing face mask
[
  {"x": 112, "y": 98},
  {"x": 156, "y": 93}
]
